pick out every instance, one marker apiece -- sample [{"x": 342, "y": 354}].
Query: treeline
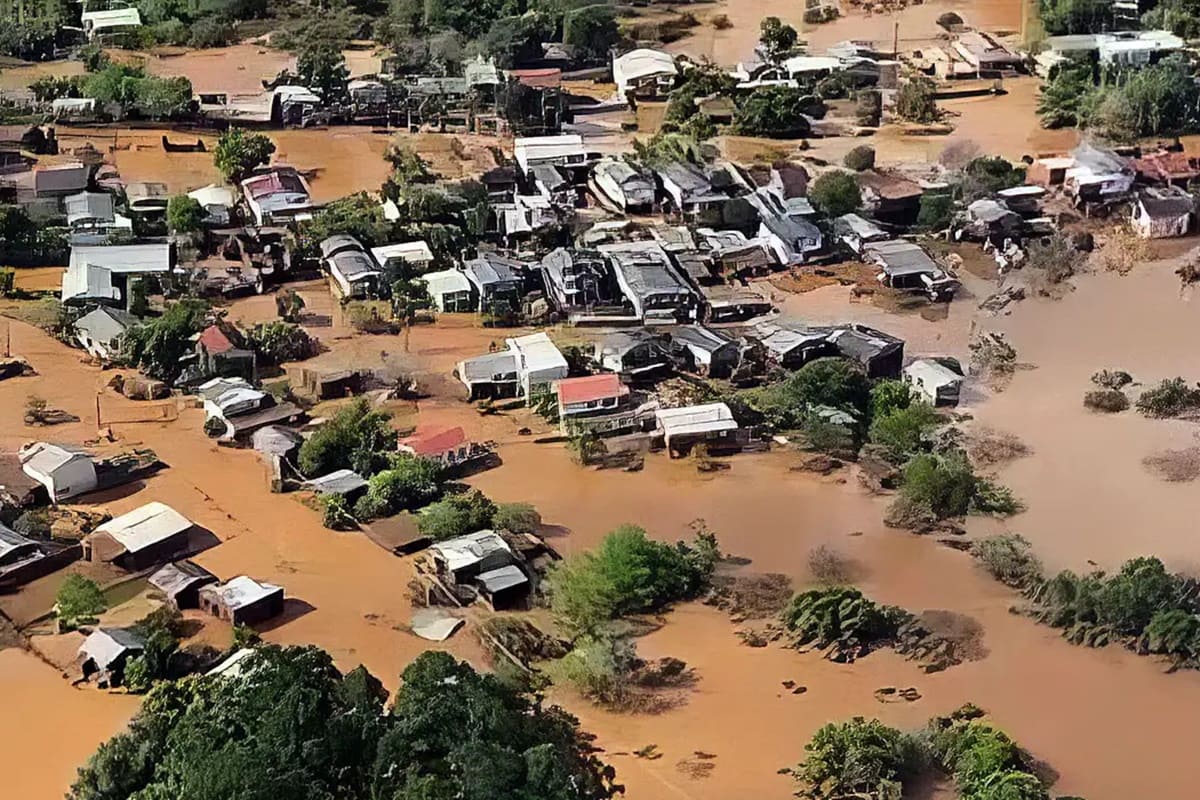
[
  {"x": 868, "y": 760},
  {"x": 1181, "y": 17},
  {"x": 1142, "y": 606}
]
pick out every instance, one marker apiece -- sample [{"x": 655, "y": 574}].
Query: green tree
[
  {"x": 666, "y": 148},
  {"x": 592, "y": 30},
  {"x": 239, "y": 152},
  {"x": 356, "y": 437},
  {"x": 987, "y": 175},
  {"x": 358, "y": 215},
  {"x": 904, "y": 432},
  {"x": 157, "y": 346},
  {"x": 1009, "y": 559},
  {"x": 1064, "y": 99},
  {"x": 1076, "y": 16},
  {"x": 888, "y": 396},
  {"x": 457, "y": 515},
  {"x": 517, "y": 518},
  {"x": 322, "y": 68},
  {"x": 777, "y": 37},
  {"x": 937, "y": 211},
  {"x": 779, "y": 112},
  {"x": 916, "y": 101},
  {"x": 835, "y": 193},
  {"x": 409, "y": 483},
  {"x": 860, "y": 758},
  {"x": 278, "y": 342},
  {"x": 835, "y": 383},
  {"x": 210, "y": 32},
  {"x": 185, "y": 214},
  {"x": 78, "y": 599},
  {"x": 515, "y": 40}
]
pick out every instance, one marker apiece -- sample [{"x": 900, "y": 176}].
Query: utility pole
[
  {"x": 896, "y": 42},
  {"x": 97, "y": 411}
]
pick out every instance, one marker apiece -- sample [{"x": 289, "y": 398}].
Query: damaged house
[
  {"x": 497, "y": 281},
  {"x": 633, "y": 352},
  {"x": 625, "y": 186},
  {"x": 646, "y": 278},
  {"x": 577, "y": 280},
  {"x": 907, "y": 267},
  {"x": 242, "y": 600},
  {"x": 1163, "y": 212},
  {"x": 148, "y": 535},
  {"x": 704, "y": 351},
  {"x": 353, "y": 270}
]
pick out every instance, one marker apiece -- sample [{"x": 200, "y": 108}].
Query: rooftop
[
  {"x": 434, "y": 442},
  {"x": 469, "y": 550},
  {"x": 342, "y": 481},
  {"x": 172, "y": 579},
  {"x": 105, "y": 645},
  {"x": 591, "y": 388},
  {"x": 44, "y": 458},
  {"x": 242, "y": 591},
  {"x": 709, "y": 418},
  {"x": 145, "y": 526}
]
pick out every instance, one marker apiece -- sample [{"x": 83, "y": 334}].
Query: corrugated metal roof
[{"x": 146, "y": 526}]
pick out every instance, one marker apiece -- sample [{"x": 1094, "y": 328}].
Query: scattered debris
[
  {"x": 744, "y": 597},
  {"x": 890, "y": 694},
  {"x": 1175, "y": 466}
]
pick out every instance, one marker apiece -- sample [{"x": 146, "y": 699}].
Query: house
[
  {"x": 242, "y": 600},
  {"x": 890, "y": 198},
  {"x": 1049, "y": 171},
  {"x": 985, "y": 53},
  {"x": 344, "y": 482},
  {"x": 793, "y": 346},
  {"x": 682, "y": 428},
  {"x": 644, "y": 74},
  {"x": 1097, "y": 175},
  {"x": 235, "y": 666},
  {"x": 1174, "y": 169},
  {"x": 101, "y": 273},
  {"x": 147, "y": 198},
  {"x": 735, "y": 256},
  {"x": 880, "y": 354},
  {"x": 1024, "y": 200},
  {"x": 646, "y": 278},
  {"x": 218, "y": 203},
  {"x": 277, "y": 195},
  {"x": 60, "y": 180},
  {"x": 1136, "y": 48},
  {"x": 92, "y": 212},
  {"x": 105, "y": 652},
  {"x": 552, "y": 184},
  {"x": 856, "y": 232},
  {"x": 464, "y": 557},
  {"x": 690, "y": 193},
  {"x": 451, "y": 291},
  {"x": 494, "y": 375},
  {"x": 790, "y": 237},
  {"x": 23, "y": 559},
  {"x": 497, "y": 281},
  {"x": 627, "y": 187},
  {"x": 596, "y": 404},
  {"x": 448, "y": 447},
  {"x": 907, "y": 267},
  {"x": 503, "y": 588},
  {"x": 236, "y": 411},
  {"x": 277, "y": 441},
  {"x": 1163, "y": 212},
  {"x": 100, "y": 330},
  {"x": 576, "y": 279},
  {"x": 328, "y": 384},
  {"x": 515, "y": 223},
  {"x": 565, "y": 151},
  {"x": 181, "y": 581},
  {"x": 539, "y": 363},
  {"x": 64, "y": 471},
  {"x": 218, "y": 353},
  {"x": 704, "y": 351},
  {"x": 732, "y": 303},
  {"x": 500, "y": 182},
  {"x": 991, "y": 220},
  {"x": 934, "y": 381},
  {"x": 416, "y": 255},
  {"x": 110, "y": 21},
  {"x": 811, "y": 67},
  {"x": 632, "y": 352},
  {"x": 15, "y": 548},
  {"x": 350, "y": 266},
  {"x": 148, "y": 535}
]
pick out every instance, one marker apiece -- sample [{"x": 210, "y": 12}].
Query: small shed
[
  {"x": 1163, "y": 212},
  {"x": 465, "y": 557},
  {"x": 148, "y": 535},
  {"x": 704, "y": 351},
  {"x": 64, "y": 471},
  {"x": 100, "y": 330},
  {"x": 242, "y": 600},
  {"x": 450, "y": 290},
  {"x": 181, "y": 582},
  {"x": 936, "y": 382},
  {"x": 276, "y": 440},
  {"x": 504, "y": 587},
  {"x": 346, "y": 482},
  {"x": 105, "y": 652}
]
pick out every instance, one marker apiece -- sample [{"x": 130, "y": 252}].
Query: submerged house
[
  {"x": 793, "y": 346},
  {"x": 856, "y": 232},
  {"x": 448, "y": 447},
  {"x": 1163, "y": 212},
  {"x": 148, "y": 535},
  {"x": 644, "y": 73},
  {"x": 704, "y": 351},
  {"x": 105, "y": 652},
  {"x": 416, "y": 255},
  {"x": 788, "y": 234},
  {"x": 101, "y": 273},
  {"x": 632, "y": 352},
  {"x": 181, "y": 582},
  {"x": 596, "y": 403},
  {"x": 242, "y": 600},
  {"x": 890, "y": 198},
  {"x": 880, "y": 354},
  {"x": 235, "y": 410},
  {"x": 934, "y": 381},
  {"x": 64, "y": 471},
  {"x": 100, "y": 330},
  {"x": 624, "y": 185},
  {"x": 451, "y": 291},
  {"x": 906, "y": 266},
  {"x": 683, "y": 428},
  {"x": 527, "y": 368},
  {"x": 462, "y": 558},
  {"x": 350, "y": 266}
]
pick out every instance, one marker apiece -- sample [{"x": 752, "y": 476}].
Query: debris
[
  {"x": 434, "y": 624},
  {"x": 1175, "y": 466}
]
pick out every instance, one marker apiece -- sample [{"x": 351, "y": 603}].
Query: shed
[
  {"x": 451, "y": 291},
  {"x": 880, "y": 354},
  {"x": 644, "y": 72},
  {"x": 64, "y": 471},
  {"x": 465, "y": 557},
  {"x": 539, "y": 363},
  {"x": 100, "y": 331},
  {"x": 345, "y": 482},
  {"x": 1163, "y": 212},
  {"x": 937, "y": 383},
  {"x": 683, "y": 427},
  {"x": 704, "y": 351},
  {"x": 277, "y": 440},
  {"x": 148, "y": 535},
  {"x": 504, "y": 587},
  {"x": 181, "y": 582},
  {"x": 242, "y": 600},
  {"x": 417, "y": 254},
  {"x": 105, "y": 652}
]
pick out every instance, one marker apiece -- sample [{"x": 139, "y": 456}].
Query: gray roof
[
  {"x": 342, "y": 481},
  {"x": 863, "y": 343},
  {"x": 486, "y": 368},
  {"x": 491, "y": 269},
  {"x": 89, "y": 206},
  {"x": 701, "y": 338},
  {"x": 61, "y": 178},
  {"x": 338, "y": 243},
  {"x": 898, "y": 257},
  {"x": 172, "y": 579},
  {"x": 549, "y": 176},
  {"x": 276, "y": 440},
  {"x": 645, "y": 268},
  {"x": 497, "y": 580},
  {"x": 618, "y": 343},
  {"x": 105, "y": 645},
  {"x": 353, "y": 264},
  {"x": 690, "y": 180},
  {"x": 103, "y": 324},
  {"x": 10, "y": 541}
]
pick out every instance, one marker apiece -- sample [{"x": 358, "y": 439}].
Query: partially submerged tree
[
  {"x": 357, "y": 437},
  {"x": 777, "y": 37},
  {"x": 916, "y": 101},
  {"x": 457, "y": 515},
  {"x": 860, "y": 758},
  {"x": 239, "y": 152},
  {"x": 157, "y": 345},
  {"x": 185, "y": 214},
  {"x": 78, "y": 599},
  {"x": 322, "y": 68},
  {"x": 779, "y": 112},
  {"x": 835, "y": 193}
]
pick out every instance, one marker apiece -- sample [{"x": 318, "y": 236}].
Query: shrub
[
  {"x": 356, "y": 437},
  {"x": 985, "y": 763},
  {"x": 840, "y": 617},
  {"x": 1056, "y": 257},
  {"x": 904, "y": 431},
  {"x": 936, "y": 211},
  {"x": 211, "y": 32},
  {"x": 828, "y": 566},
  {"x": 78, "y": 599},
  {"x": 859, "y": 758},
  {"x": 517, "y": 518},
  {"x": 869, "y": 109},
  {"x": 185, "y": 214},
  {"x": 945, "y": 486},
  {"x": 836, "y": 193},
  {"x": 335, "y": 513},
  {"x": 1009, "y": 559},
  {"x": 238, "y": 152},
  {"x": 777, "y": 111},
  {"x": 1170, "y": 398},
  {"x": 278, "y": 342},
  {"x": 860, "y": 158},
  {"x": 457, "y": 515},
  {"x": 1112, "y": 379},
  {"x": 890, "y": 395},
  {"x": 915, "y": 101},
  {"x": 1106, "y": 400},
  {"x": 408, "y": 483},
  {"x": 835, "y": 383},
  {"x": 598, "y": 667}
]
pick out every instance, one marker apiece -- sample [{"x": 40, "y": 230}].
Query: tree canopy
[
  {"x": 292, "y": 726},
  {"x": 777, "y": 37},
  {"x": 357, "y": 437},
  {"x": 322, "y": 68},
  {"x": 836, "y": 193},
  {"x": 777, "y": 112},
  {"x": 156, "y": 346},
  {"x": 239, "y": 152},
  {"x": 185, "y": 214}
]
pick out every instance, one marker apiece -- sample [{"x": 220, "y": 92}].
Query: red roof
[
  {"x": 1166, "y": 166},
  {"x": 434, "y": 442},
  {"x": 593, "y": 387},
  {"x": 538, "y": 78},
  {"x": 215, "y": 340}
]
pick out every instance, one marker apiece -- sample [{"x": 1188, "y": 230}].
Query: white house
[
  {"x": 682, "y": 426},
  {"x": 451, "y": 290},
  {"x": 539, "y": 363},
  {"x": 65, "y": 472},
  {"x": 1163, "y": 212},
  {"x": 645, "y": 72},
  {"x": 415, "y": 254},
  {"x": 217, "y": 201},
  {"x": 115, "y": 20},
  {"x": 564, "y": 150},
  {"x": 100, "y": 331},
  {"x": 936, "y": 383},
  {"x": 101, "y": 272},
  {"x": 351, "y": 267}
]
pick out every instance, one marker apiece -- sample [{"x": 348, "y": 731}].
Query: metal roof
[
  {"x": 105, "y": 645},
  {"x": 45, "y": 458},
  {"x": 342, "y": 481},
  {"x": 146, "y": 526},
  {"x": 708, "y": 418},
  {"x": 89, "y": 206},
  {"x": 898, "y": 257},
  {"x": 104, "y": 324},
  {"x": 242, "y": 591},
  {"x": 642, "y": 63},
  {"x": 497, "y": 580},
  {"x": 413, "y": 252},
  {"x": 11, "y": 541},
  {"x": 490, "y": 367},
  {"x": 932, "y": 373},
  {"x": 446, "y": 282},
  {"x": 590, "y": 388},
  {"x": 472, "y": 549},
  {"x": 536, "y": 353},
  {"x": 644, "y": 268},
  {"x": 171, "y": 579}
]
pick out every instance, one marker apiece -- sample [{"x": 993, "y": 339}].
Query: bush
[
  {"x": 171, "y": 32},
  {"x": 279, "y": 342},
  {"x": 238, "y": 152},
  {"x": 1056, "y": 257},
  {"x": 777, "y": 111},
  {"x": 944, "y": 485},
  {"x": 890, "y": 395},
  {"x": 211, "y": 32},
  {"x": 936, "y": 211},
  {"x": 78, "y": 599},
  {"x": 1009, "y": 559},
  {"x": 985, "y": 763},
  {"x": 836, "y": 193},
  {"x": 915, "y": 101},
  {"x": 517, "y": 518},
  {"x": 904, "y": 432},
  {"x": 356, "y": 437},
  {"x": 185, "y": 214},
  {"x": 828, "y": 566},
  {"x": 835, "y": 383},
  {"x": 1170, "y": 398},
  {"x": 860, "y": 158},
  {"x": 335, "y": 513},
  {"x": 1106, "y": 400},
  {"x": 859, "y": 758},
  {"x": 408, "y": 483},
  {"x": 598, "y": 667},
  {"x": 840, "y": 617},
  {"x": 457, "y": 515},
  {"x": 869, "y": 108},
  {"x": 1112, "y": 379}
]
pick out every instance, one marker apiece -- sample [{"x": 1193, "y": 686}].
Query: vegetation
[
  {"x": 835, "y": 383},
  {"x": 239, "y": 152},
  {"x": 986, "y": 175},
  {"x": 131, "y": 91},
  {"x": 915, "y": 102},
  {"x": 322, "y": 67},
  {"x": 160, "y": 632},
  {"x": 1181, "y": 17},
  {"x": 1109, "y": 401},
  {"x": 592, "y": 30},
  {"x": 985, "y": 763},
  {"x": 335, "y": 513},
  {"x": 836, "y": 193},
  {"x": 1054, "y": 257},
  {"x": 842, "y": 620},
  {"x": 860, "y": 158},
  {"x": 157, "y": 345},
  {"x": 409, "y": 483},
  {"x": 941, "y": 486},
  {"x": 78, "y": 600},
  {"x": 457, "y": 515},
  {"x": 777, "y": 37},
  {"x": 904, "y": 432},
  {"x": 356, "y": 437},
  {"x": 1170, "y": 398},
  {"x": 861, "y": 759},
  {"x": 185, "y": 214},
  {"x": 517, "y": 518},
  {"x": 779, "y": 112},
  {"x": 451, "y": 732},
  {"x": 937, "y": 211},
  {"x": 703, "y": 80},
  {"x": 1009, "y": 558},
  {"x": 279, "y": 342},
  {"x": 628, "y": 573},
  {"x": 1076, "y": 16}
]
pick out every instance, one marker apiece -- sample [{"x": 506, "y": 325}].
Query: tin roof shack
[
  {"x": 327, "y": 385},
  {"x": 242, "y": 600},
  {"x": 219, "y": 351},
  {"x": 15, "y": 548},
  {"x": 277, "y": 195},
  {"x": 105, "y": 652},
  {"x": 789, "y": 236},
  {"x": 460, "y": 559},
  {"x": 180, "y": 582},
  {"x": 345, "y": 482},
  {"x": 101, "y": 273},
  {"x": 689, "y": 192},
  {"x": 65, "y": 472},
  {"x": 60, "y": 180},
  {"x": 493, "y": 375},
  {"x": 644, "y": 74},
  {"x": 100, "y": 330},
  {"x": 148, "y": 535},
  {"x": 935, "y": 381},
  {"x": 644, "y": 273},
  {"x": 1098, "y": 178},
  {"x": 415, "y": 255},
  {"x": 636, "y": 353},
  {"x": 539, "y": 363},
  {"x": 986, "y": 54},
  {"x": 683, "y": 428},
  {"x": 351, "y": 267},
  {"x": 504, "y": 588},
  {"x": 890, "y": 198},
  {"x": 734, "y": 303},
  {"x": 234, "y": 412},
  {"x": 448, "y": 447},
  {"x": 498, "y": 282},
  {"x": 23, "y": 559},
  {"x": 597, "y": 403},
  {"x": 880, "y": 354},
  {"x": 1163, "y": 212},
  {"x": 501, "y": 183},
  {"x": 856, "y": 232},
  {"x": 93, "y": 213},
  {"x": 735, "y": 256},
  {"x": 704, "y": 351},
  {"x": 451, "y": 291},
  {"x": 989, "y": 220},
  {"x": 625, "y": 186},
  {"x": 1024, "y": 200},
  {"x": 793, "y": 346},
  {"x": 906, "y": 266},
  {"x": 578, "y": 280}
]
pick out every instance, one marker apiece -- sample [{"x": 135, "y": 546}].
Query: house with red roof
[
  {"x": 597, "y": 403},
  {"x": 220, "y": 354},
  {"x": 449, "y": 447}
]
